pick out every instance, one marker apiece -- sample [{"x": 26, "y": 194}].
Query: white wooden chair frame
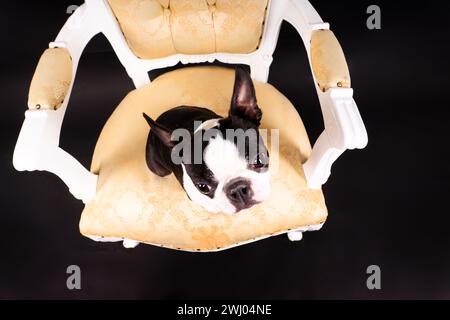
[{"x": 38, "y": 148}]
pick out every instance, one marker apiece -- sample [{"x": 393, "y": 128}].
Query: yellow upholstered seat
[{"x": 133, "y": 203}]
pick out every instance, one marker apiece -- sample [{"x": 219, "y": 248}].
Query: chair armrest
[
  {"x": 328, "y": 61},
  {"x": 344, "y": 128},
  {"x": 51, "y": 80},
  {"x": 37, "y": 146}
]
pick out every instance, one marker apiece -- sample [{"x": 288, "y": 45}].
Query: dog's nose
[{"x": 240, "y": 193}]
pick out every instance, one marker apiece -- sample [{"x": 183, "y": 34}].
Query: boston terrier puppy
[{"x": 222, "y": 163}]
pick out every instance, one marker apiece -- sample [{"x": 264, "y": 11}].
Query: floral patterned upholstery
[{"x": 134, "y": 203}]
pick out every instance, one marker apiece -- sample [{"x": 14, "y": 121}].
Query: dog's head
[{"x": 232, "y": 172}]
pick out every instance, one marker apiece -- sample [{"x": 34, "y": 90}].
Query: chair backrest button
[{"x": 167, "y": 12}]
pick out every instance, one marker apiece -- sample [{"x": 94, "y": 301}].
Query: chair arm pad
[
  {"x": 51, "y": 80},
  {"x": 328, "y": 61}
]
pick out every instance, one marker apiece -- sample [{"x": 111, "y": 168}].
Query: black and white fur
[{"x": 229, "y": 178}]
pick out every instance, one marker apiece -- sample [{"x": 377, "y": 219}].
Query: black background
[{"x": 387, "y": 203}]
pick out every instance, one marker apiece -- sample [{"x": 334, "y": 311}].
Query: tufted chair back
[{"x": 160, "y": 28}]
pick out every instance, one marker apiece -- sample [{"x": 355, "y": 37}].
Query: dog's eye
[
  {"x": 260, "y": 160},
  {"x": 203, "y": 188}
]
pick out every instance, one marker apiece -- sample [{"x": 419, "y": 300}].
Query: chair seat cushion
[{"x": 133, "y": 203}]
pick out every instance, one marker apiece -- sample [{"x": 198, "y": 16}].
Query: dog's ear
[
  {"x": 164, "y": 134},
  {"x": 243, "y": 101}
]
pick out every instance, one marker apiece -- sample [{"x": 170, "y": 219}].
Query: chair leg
[
  {"x": 130, "y": 244},
  {"x": 295, "y": 235}
]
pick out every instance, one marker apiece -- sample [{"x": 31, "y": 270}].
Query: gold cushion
[
  {"x": 51, "y": 80},
  {"x": 134, "y": 203},
  {"x": 159, "y": 28},
  {"x": 328, "y": 61}
]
